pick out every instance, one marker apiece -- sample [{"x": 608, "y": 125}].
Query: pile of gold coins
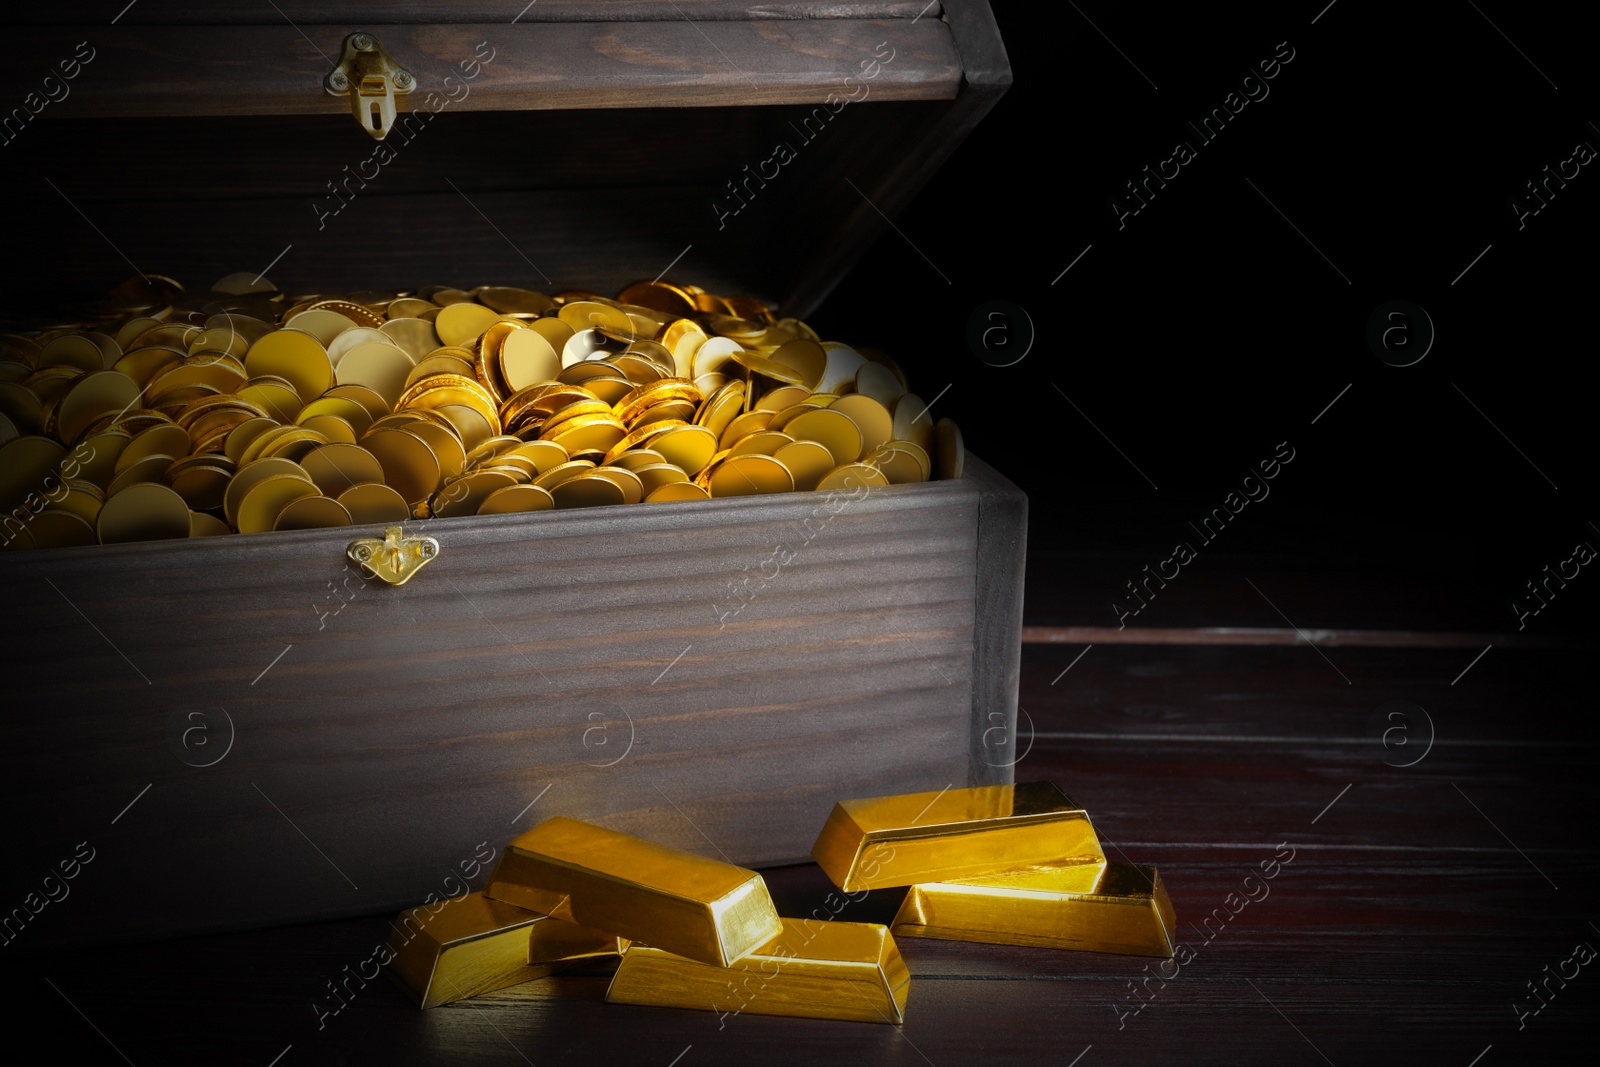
[{"x": 167, "y": 414}]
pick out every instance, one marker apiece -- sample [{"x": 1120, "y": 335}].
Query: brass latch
[
  {"x": 371, "y": 79},
  {"x": 396, "y": 558}
]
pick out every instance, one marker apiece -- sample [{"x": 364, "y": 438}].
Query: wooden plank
[
  {"x": 1267, "y": 635},
  {"x": 996, "y": 652},
  {"x": 536, "y": 654},
  {"x": 278, "y": 69},
  {"x": 315, "y": 12}
]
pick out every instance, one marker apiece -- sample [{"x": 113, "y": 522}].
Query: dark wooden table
[{"x": 1436, "y": 806}]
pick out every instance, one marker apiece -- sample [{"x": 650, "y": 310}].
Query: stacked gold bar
[
  {"x": 1011, "y": 865},
  {"x": 691, "y": 932}
]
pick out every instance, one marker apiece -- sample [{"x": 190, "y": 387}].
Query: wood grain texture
[
  {"x": 712, "y": 676},
  {"x": 1403, "y": 929},
  {"x": 278, "y": 69},
  {"x": 313, "y": 12}
]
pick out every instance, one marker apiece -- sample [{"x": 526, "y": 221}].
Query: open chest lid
[{"x": 749, "y": 148}]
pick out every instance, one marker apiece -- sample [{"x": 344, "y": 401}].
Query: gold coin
[
  {"x": 359, "y": 314},
  {"x": 644, "y": 397},
  {"x": 879, "y": 382},
  {"x": 526, "y": 358},
  {"x": 406, "y": 307},
  {"x": 323, "y": 325},
  {"x": 221, "y": 373},
  {"x": 546, "y": 455},
  {"x": 584, "y": 315},
  {"x": 259, "y": 508},
  {"x": 203, "y": 525},
  {"x": 553, "y": 330},
  {"x": 243, "y": 435},
  {"x": 372, "y": 502},
  {"x": 951, "y": 451},
  {"x": 57, "y": 528},
  {"x": 609, "y": 387},
  {"x": 782, "y": 397},
  {"x": 658, "y": 296},
  {"x": 806, "y": 358},
  {"x": 781, "y": 419},
  {"x": 749, "y": 475},
  {"x": 917, "y": 453},
  {"x": 25, "y": 465},
  {"x": 515, "y": 499},
  {"x": 383, "y": 368},
  {"x": 375, "y": 406},
  {"x": 19, "y": 403},
  {"x": 667, "y": 411},
  {"x": 410, "y": 466},
  {"x": 509, "y": 300},
  {"x": 96, "y": 456},
  {"x": 761, "y": 442},
  {"x": 344, "y": 342},
  {"x": 871, "y": 418},
  {"x": 574, "y": 410},
  {"x": 293, "y": 444},
  {"x": 713, "y": 354},
  {"x": 721, "y": 407},
  {"x": 631, "y": 484},
  {"x": 899, "y": 466},
  {"x": 337, "y": 466},
  {"x": 676, "y": 491},
  {"x": 311, "y": 513},
  {"x": 807, "y": 461},
  {"x": 446, "y": 445},
  {"x": 143, "y": 512},
  {"x": 330, "y": 428},
  {"x": 200, "y": 480},
  {"x": 465, "y": 494},
  {"x": 586, "y": 432},
  {"x": 296, "y": 357},
  {"x": 585, "y": 491},
  {"x": 584, "y": 346},
  {"x": 164, "y": 439},
  {"x": 635, "y": 458},
  {"x": 912, "y": 422},
  {"x": 447, "y": 295},
  {"x": 280, "y": 401},
  {"x": 833, "y": 429},
  {"x": 635, "y": 438},
  {"x": 653, "y": 476},
  {"x": 683, "y": 338},
  {"x": 840, "y": 371},
  {"x": 469, "y": 424},
  {"x": 71, "y": 350},
  {"x": 92, "y": 396},
  {"x": 562, "y": 473},
  {"x": 688, "y": 447},
  {"x": 771, "y": 368},
  {"x": 461, "y": 323},
  {"x": 743, "y": 425},
  {"x": 852, "y": 476},
  {"x": 442, "y": 361},
  {"x": 82, "y": 499},
  {"x": 251, "y": 475},
  {"x": 416, "y": 336}
]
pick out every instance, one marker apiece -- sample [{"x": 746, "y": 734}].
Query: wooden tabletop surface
[{"x": 1432, "y": 815}]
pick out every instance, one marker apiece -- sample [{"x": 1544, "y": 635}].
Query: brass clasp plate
[
  {"x": 396, "y": 558},
  {"x": 371, "y": 79}
]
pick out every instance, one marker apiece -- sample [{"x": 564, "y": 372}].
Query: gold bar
[
  {"x": 704, "y": 909},
  {"x": 473, "y": 945},
  {"x": 955, "y": 835},
  {"x": 813, "y": 970},
  {"x": 1127, "y": 911}
]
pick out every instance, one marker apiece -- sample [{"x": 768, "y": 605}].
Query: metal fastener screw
[
  {"x": 402, "y": 79},
  {"x": 362, "y": 42},
  {"x": 338, "y": 81}
]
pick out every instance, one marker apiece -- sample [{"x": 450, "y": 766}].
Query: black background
[{"x": 1207, "y": 329}]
